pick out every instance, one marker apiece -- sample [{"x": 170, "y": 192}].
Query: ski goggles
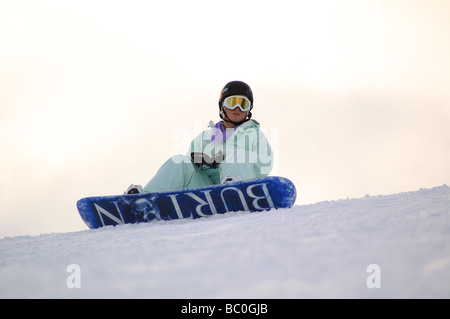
[{"x": 235, "y": 101}]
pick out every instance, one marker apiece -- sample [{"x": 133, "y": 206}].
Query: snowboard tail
[{"x": 251, "y": 195}]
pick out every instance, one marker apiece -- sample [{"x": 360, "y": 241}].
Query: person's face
[{"x": 236, "y": 115}]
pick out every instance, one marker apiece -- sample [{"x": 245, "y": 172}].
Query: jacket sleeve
[
  {"x": 198, "y": 143},
  {"x": 265, "y": 155}
]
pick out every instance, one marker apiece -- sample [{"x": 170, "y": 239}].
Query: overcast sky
[{"x": 95, "y": 95}]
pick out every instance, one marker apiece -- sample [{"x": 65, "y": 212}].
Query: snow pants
[{"x": 179, "y": 172}]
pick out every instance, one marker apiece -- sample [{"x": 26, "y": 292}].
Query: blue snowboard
[{"x": 252, "y": 195}]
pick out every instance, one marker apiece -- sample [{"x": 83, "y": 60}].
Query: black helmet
[{"x": 235, "y": 88}]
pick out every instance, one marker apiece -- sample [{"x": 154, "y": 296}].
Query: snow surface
[{"x": 312, "y": 251}]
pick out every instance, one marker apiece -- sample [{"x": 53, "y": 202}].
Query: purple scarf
[{"x": 220, "y": 134}]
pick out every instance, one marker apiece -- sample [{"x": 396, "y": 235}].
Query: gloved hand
[{"x": 201, "y": 159}]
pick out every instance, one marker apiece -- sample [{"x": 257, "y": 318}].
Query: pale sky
[{"x": 95, "y": 95}]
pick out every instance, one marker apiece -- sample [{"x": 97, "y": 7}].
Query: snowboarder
[{"x": 231, "y": 150}]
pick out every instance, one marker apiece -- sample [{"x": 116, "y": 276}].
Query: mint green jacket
[
  {"x": 247, "y": 152},
  {"x": 247, "y": 155}
]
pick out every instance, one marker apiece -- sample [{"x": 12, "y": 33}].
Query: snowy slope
[{"x": 314, "y": 251}]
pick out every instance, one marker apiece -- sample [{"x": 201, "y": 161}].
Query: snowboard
[{"x": 250, "y": 195}]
